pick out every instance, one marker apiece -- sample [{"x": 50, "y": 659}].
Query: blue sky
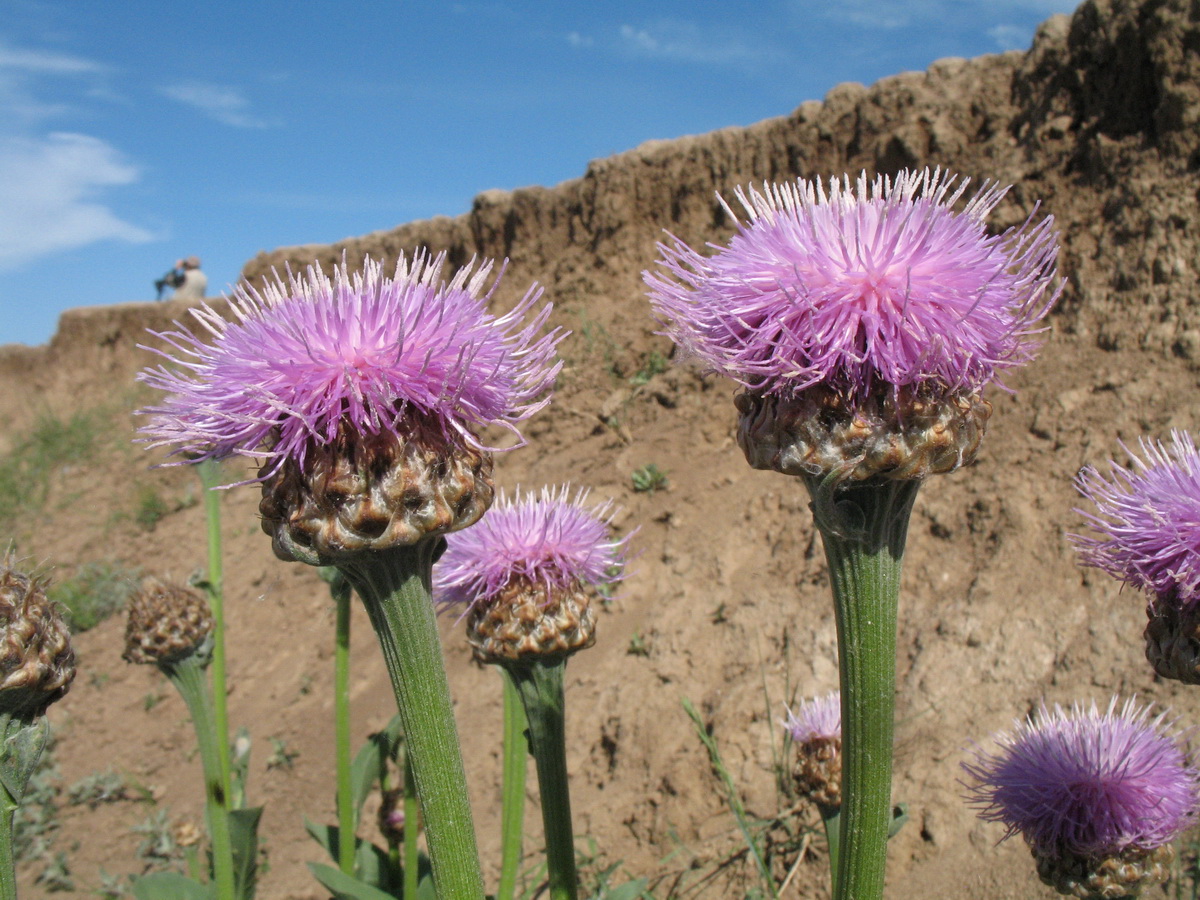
[{"x": 136, "y": 133}]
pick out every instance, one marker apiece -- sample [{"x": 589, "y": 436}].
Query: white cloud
[
  {"x": 575, "y": 39},
  {"x": 227, "y": 105},
  {"x": 42, "y": 62},
  {"x": 892, "y": 14},
  {"x": 22, "y": 71},
  {"x": 1011, "y": 37},
  {"x": 687, "y": 42},
  {"x": 49, "y": 190}
]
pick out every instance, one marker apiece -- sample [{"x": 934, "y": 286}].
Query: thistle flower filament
[{"x": 1095, "y": 794}]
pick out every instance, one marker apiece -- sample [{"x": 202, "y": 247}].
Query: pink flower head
[
  {"x": 1087, "y": 783},
  {"x": 854, "y": 288},
  {"x": 544, "y": 539},
  {"x": 1147, "y": 520},
  {"x": 817, "y": 718},
  {"x": 304, "y": 358}
]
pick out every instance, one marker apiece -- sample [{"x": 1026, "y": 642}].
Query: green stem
[
  {"x": 831, "y": 819},
  {"x": 210, "y": 477},
  {"x": 512, "y": 815},
  {"x": 347, "y": 827},
  {"x": 22, "y": 740},
  {"x": 188, "y": 676},
  {"x": 8, "y": 877},
  {"x": 412, "y": 833},
  {"x": 864, "y": 525},
  {"x": 540, "y": 685},
  {"x": 394, "y": 585}
]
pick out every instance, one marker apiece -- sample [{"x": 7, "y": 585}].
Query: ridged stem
[
  {"x": 341, "y": 702},
  {"x": 22, "y": 740},
  {"x": 512, "y": 809},
  {"x": 188, "y": 676},
  {"x": 394, "y": 585},
  {"x": 863, "y": 526},
  {"x": 210, "y": 477},
  {"x": 8, "y": 875},
  {"x": 540, "y": 685}
]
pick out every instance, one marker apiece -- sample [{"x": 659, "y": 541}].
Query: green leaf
[
  {"x": 371, "y": 863},
  {"x": 346, "y": 887},
  {"x": 23, "y": 742},
  {"x": 243, "y": 838},
  {"x": 425, "y": 889},
  {"x": 899, "y": 817},
  {"x": 630, "y": 890},
  {"x": 325, "y": 835},
  {"x": 171, "y": 886},
  {"x": 364, "y": 771}
]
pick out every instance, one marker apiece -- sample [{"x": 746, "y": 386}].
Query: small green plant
[
  {"x": 655, "y": 364},
  {"x": 111, "y": 887},
  {"x": 56, "y": 876},
  {"x": 281, "y": 757},
  {"x": 52, "y": 443},
  {"x": 152, "y": 699},
  {"x": 97, "y": 788},
  {"x": 637, "y": 645},
  {"x": 150, "y": 507},
  {"x": 157, "y": 848},
  {"x": 95, "y": 592},
  {"x": 596, "y": 876},
  {"x": 649, "y": 478}
]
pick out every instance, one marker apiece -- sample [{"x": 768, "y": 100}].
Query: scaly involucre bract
[
  {"x": 544, "y": 539},
  {"x": 306, "y": 357},
  {"x": 1086, "y": 782},
  {"x": 851, "y": 288},
  {"x": 1147, "y": 520},
  {"x": 820, "y": 717}
]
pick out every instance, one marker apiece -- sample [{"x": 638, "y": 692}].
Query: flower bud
[
  {"x": 166, "y": 624},
  {"x": 816, "y": 732},
  {"x": 391, "y": 816},
  {"x": 37, "y": 663}
]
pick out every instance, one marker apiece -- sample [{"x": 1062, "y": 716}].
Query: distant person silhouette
[{"x": 187, "y": 280}]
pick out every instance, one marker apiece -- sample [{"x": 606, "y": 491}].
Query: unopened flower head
[
  {"x": 1087, "y": 784},
  {"x": 883, "y": 285},
  {"x": 526, "y": 572},
  {"x": 37, "y": 663},
  {"x": 1147, "y": 520},
  {"x": 305, "y": 360},
  {"x": 816, "y": 733},
  {"x": 547, "y": 539}
]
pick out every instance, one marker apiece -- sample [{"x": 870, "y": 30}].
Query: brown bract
[
  {"x": 893, "y": 435},
  {"x": 37, "y": 663},
  {"x": 368, "y": 492},
  {"x": 1173, "y": 641},
  {"x": 166, "y": 623},
  {"x": 530, "y": 622},
  {"x": 818, "y": 771},
  {"x": 1122, "y": 875}
]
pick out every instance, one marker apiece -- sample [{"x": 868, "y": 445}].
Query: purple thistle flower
[
  {"x": 820, "y": 717},
  {"x": 1087, "y": 783},
  {"x": 305, "y": 358},
  {"x": 1148, "y": 520},
  {"x": 544, "y": 539},
  {"x": 884, "y": 283}
]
